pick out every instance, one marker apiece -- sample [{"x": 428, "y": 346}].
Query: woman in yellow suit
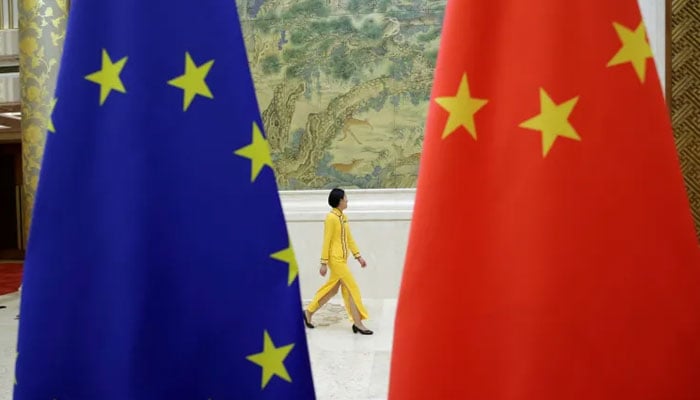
[{"x": 337, "y": 239}]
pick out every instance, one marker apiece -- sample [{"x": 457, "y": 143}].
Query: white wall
[
  {"x": 654, "y": 13},
  {"x": 380, "y": 219}
]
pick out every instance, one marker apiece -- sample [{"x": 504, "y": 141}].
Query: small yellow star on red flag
[
  {"x": 108, "y": 76},
  {"x": 258, "y": 152},
  {"x": 271, "y": 360},
  {"x": 462, "y": 108},
  {"x": 635, "y": 49},
  {"x": 192, "y": 82},
  {"x": 552, "y": 121}
]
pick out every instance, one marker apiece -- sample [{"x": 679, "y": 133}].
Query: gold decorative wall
[
  {"x": 685, "y": 94},
  {"x": 42, "y": 27}
]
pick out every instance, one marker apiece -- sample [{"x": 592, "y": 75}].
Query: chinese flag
[{"x": 552, "y": 253}]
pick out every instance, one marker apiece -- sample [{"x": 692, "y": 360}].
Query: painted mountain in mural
[{"x": 343, "y": 86}]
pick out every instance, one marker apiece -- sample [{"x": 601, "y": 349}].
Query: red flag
[{"x": 552, "y": 253}]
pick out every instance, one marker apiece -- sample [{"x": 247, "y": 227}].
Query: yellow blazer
[{"x": 337, "y": 238}]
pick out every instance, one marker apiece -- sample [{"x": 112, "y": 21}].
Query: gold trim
[{"x": 343, "y": 239}]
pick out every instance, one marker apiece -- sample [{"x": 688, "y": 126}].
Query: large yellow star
[
  {"x": 192, "y": 81},
  {"x": 258, "y": 152},
  {"x": 108, "y": 77},
  {"x": 287, "y": 255},
  {"x": 552, "y": 121},
  {"x": 51, "y": 128},
  {"x": 271, "y": 359},
  {"x": 635, "y": 49},
  {"x": 462, "y": 108}
]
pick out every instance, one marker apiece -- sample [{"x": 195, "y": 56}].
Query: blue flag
[{"x": 159, "y": 264}]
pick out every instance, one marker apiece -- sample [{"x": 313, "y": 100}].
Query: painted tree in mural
[{"x": 323, "y": 62}]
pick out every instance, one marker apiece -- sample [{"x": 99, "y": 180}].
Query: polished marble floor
[{"x": 345, "y": 366}]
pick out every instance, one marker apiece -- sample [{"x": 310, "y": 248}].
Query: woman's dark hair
[{"x": 334, "y": 198}]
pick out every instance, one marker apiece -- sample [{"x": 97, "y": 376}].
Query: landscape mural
[{"x": 343, "y": 87}]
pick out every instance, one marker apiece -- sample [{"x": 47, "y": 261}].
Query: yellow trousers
[{"x": 340, "y": 275}]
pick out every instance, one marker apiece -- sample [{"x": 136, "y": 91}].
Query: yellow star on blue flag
[
  {"x": 287, "y": 256},
  {"x": 157, "y": 257},
  {"x": 258, "y": 151},
  {"x": 192, "y": 82},
  {"x": 108, "y": 76},
  {"x": 271, "y": 360}
]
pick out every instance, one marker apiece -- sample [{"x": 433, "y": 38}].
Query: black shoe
[
  {"x": 306, "y": 322},
  {"x": 355, "y": 329}
]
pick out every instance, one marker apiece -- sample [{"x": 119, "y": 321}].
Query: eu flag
[{"x": 159, "y": 264}]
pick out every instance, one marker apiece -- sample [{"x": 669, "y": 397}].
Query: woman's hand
[
  {"x": 362, "y": 261},
  {"x": 323, "y": 270}
]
